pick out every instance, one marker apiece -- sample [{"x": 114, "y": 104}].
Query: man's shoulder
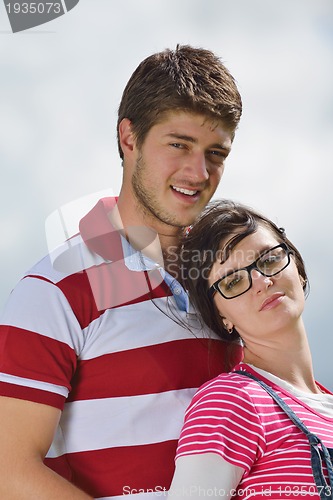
[
  {"x": 66, "y": 260},
  {"x": 78, "y": 252}
]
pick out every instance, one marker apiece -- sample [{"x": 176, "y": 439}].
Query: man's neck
[
  {"x": 156, "y": 240},
  {"x": 160, "y": 245},
  {"x": 171, "y": 260}
]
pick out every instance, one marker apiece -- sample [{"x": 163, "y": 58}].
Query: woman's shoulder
[
  {"x": 229, "y": 385},
  {"x": 228, "y": 396}
]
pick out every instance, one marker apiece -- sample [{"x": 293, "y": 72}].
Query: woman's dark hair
[{"x": 201, "y": 247}]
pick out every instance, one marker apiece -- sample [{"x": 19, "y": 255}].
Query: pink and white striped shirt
[{"x": 234, "y": 417}]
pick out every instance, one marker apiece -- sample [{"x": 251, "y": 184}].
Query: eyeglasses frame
[{"x": 214, "y": 287}]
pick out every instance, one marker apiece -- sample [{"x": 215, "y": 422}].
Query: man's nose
[{"x": 196, "y": 167}]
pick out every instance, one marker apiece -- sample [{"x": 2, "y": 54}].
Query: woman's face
[{"x": 273, "y": 304}]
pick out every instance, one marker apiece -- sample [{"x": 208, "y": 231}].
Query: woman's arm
[{"x": 204, "y": 475}]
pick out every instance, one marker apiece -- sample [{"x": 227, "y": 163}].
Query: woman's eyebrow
[{"x": 256, "y": 254}]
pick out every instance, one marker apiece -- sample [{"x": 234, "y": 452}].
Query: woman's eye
[
  {"x": 271, "y": 259},
  {"x": 233, "y": 282}
]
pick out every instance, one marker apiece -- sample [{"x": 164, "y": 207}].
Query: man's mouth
[{"x": 188, "y": 192}]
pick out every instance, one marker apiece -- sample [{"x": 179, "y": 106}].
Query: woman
[{"x": 248, "y": 282}]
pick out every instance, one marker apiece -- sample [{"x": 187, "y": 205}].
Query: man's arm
[{"x": 26, "y": 433}]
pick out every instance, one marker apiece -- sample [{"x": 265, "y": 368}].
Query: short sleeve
[
  {"x": 38, "y": 342},
  {"x": 222, "y": 418}
]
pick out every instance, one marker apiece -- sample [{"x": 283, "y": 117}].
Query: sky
[{"x": 60, "y": 88}]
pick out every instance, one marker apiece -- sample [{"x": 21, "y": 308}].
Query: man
[{"x": 100, "y": 352}]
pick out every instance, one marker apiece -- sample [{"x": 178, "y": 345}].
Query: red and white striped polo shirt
[{"x": 107, "y": 345}]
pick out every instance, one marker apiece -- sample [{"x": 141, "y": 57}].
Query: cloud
[{"x": 59, "y": 94}]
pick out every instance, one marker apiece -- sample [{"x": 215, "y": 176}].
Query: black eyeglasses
[{"x": 237, "y": 282}]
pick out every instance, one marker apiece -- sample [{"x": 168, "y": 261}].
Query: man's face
[{"x": 179, "y": 167}]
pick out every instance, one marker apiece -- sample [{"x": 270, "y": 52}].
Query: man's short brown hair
[{"x": 185, "y": 79}]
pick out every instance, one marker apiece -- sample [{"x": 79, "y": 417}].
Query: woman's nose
[{"x": 259, "y": 281}]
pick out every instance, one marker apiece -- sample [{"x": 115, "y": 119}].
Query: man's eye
[
  {"x": 217, "y": 156},
  {"x": 177, "y": 145}
]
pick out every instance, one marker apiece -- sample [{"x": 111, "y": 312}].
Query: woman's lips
[{"x": 272, "y": 301}]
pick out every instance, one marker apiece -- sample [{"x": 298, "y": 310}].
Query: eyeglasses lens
[
  {"x": 235, "y": 284},
  {"x": 273, "y": 261}
]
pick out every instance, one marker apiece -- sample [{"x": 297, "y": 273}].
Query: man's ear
[{"x": 126, "y": 137}]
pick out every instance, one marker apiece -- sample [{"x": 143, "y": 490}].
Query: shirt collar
[{"x": 103, "y": 239}]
